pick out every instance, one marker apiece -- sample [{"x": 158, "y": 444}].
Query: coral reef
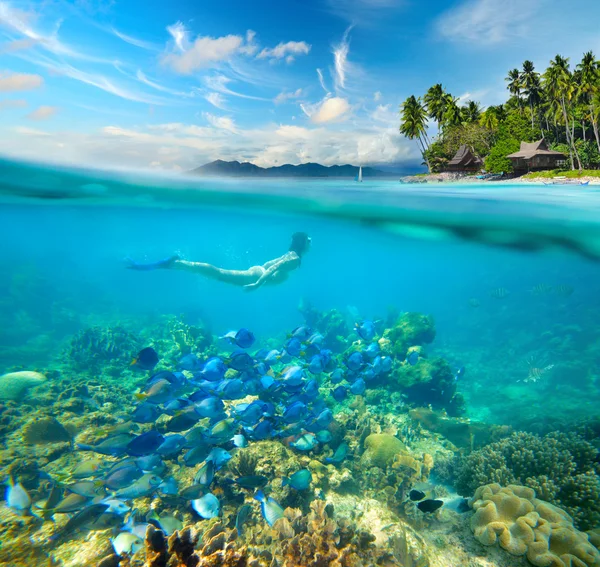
[
  {"x": 14, "y": 385},
  {"x": 561, "y": 467},
  {"x": 331, "y": 324},
  {"x": 410, "y": 329},
  {"x": 381, "y": 449},
  {"x": 523, "y": 524},
  {"x": 45, "y": 430}
]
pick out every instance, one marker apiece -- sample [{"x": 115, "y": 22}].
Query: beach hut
[
  {"x": 535, "y": 156},
  {"x": 465, "y": 161}
]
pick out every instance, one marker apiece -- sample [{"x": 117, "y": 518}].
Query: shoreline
[{"x": 448, "y": 177}]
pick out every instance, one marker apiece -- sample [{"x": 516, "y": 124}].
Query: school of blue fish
[{"x": 288, "y": 405}]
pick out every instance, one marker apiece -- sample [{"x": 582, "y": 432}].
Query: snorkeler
[{"x": 272, "y": 272}]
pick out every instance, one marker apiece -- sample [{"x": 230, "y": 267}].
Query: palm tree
[
  {"x": 532, "y": 86},
  {"x": 435, "y": 101},
  {"x": 453, "y": 115},
  {"x": 471, "y": 112},
  {"x": 559, "y": 84},
  {"x": 413, "y": 123},
  {"x": 489, "y": 119},
  {"x": 589, "y": 87},
  {"x": 514, "y": 84}
]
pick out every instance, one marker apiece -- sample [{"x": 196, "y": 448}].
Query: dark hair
[{"x": 300, "y": 243}]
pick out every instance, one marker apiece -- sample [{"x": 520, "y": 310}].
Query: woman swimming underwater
[{"x": 272, "y": 272}]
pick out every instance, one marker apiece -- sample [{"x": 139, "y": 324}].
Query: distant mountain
[{"x": 246, "y": 169}]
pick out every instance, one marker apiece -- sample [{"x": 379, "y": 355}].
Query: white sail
[{"x": 360, "y": 173}]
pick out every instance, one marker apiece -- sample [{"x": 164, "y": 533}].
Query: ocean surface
[{"x": 508, "y": 273}]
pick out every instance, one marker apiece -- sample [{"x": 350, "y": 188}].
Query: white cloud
[
  {"x": 220, "y": 122},
  {"x": 377, "y": 96},
  {"x": 219, "y": 83},
  {"x": 17, "y": 45},
  {"x": 143, "y": 79},
  {"x": 250, "y": 47},
  {"x": 10, "y": 103},
  {"x": 285, "y": 96},
  {"x": 330, "y": 109},
  {"x": 384, "y": 113},
  {"x": 10, "y": 82},
  {"x": 217, "y": 100},
  {"x": 25, "y": 131},
  {"x": 134, "y": 40},
  {"x": 42, "y": 113},
  {"x": 340, "y": 59},
  {"x": 286, "y": 50},
  {"x": 180, "y": 36},
  {"x": 322, "y": 81},
  {"x": 488, "y": 21},
  {"x": 204, "y": 53}
]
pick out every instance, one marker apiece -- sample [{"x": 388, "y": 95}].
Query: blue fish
[
  {"x": 178, "y": 404},
  {"x": 339, "y": 394},
  {"x": 299, "y": 480},
  {"x": 145, "y": 413},
  {"x": 115, "y": 445},
  {"x": 302, "y": 333},
  {"x": 272, "y": 357},
  {"x": 270, "y": 509},
  {"x": 145, "y": 444},
  {"x": 240, "y": 441},
  {"x": 412, "y": 358},
  {"x": 366, "y": 330},
  {"x": 317, "y": 364},
  {"x": 337, "y": 376},
  {"x": 340, "y": 454},
  {"x": 293, "y": 375},
  {"x": 386, "y": 364},
  {"x": 171, "y": 445},
  {"x": 207, "y": 507},
  {"x": 206, "y": 473},
  {"x": 372, "y": 350},
  {"x": 214, "y": 370},
  {"x": 151, "y": 463},
  {"x": 231, "y": 389},
  {"x": 240, "y": 360},
  {"x": 267, "y": 382},
  {"x": 368, "y": 373},
  {"x": 315, "y": 339},
  {"x": 17, "y": 497},
  {"x": 249, "y": 414},
  {"x": 241, "y": 518},
  {"x": 122, "y": 477},
  {"x": 169, "y": 487},
  {"x": 262, "y": 430},
  {"x": 294, "y": 412},
  {"x": 324, "y": 418},
  {"x": 219, "y": 456},
  {"x": 293, "y": 347},
  {"x": 190, "y": 362},
  {"x": 209, "y": 407},
  {"x": 358, "y": 388},
  {"x": 242, "y": 338},
  {"x": 311, "y": 389},
  {"x": 324, "y": 436},
  {"x": 306, "y": 442},
  {"x": 146, "y": 359},
  {"x": 355, "y": 361},
  {"x": 196, "y": 455}
]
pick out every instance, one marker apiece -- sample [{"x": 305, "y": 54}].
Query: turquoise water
[{"x": 509, "y": 274}]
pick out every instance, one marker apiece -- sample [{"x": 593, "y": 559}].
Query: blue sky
[{"x": 174, "y": 84}]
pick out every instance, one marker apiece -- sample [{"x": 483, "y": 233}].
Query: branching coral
[
  {"x": 522, "y": 524},
  {"x": 561, "y": 467}
]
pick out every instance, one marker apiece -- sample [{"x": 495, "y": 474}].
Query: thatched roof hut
[
  {"x": 465, "y": 161},
  {"x": 535, "y": 156}
]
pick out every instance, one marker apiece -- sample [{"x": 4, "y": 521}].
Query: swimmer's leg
[{"x": 235, "y": 277}]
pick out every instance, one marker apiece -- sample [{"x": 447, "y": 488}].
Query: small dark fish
[
  {"x": 53, "y": 499},
  {"x": 294, "y": 412},
  {"x": 146, "y": 359},
  {"x": 499, "y": 293},
  {"x": 416, "y": 495},
  {"x": 242, "y": 338},
  {"x": 190, "y": 362},
  {"x": 145, "y": 444},
  {"x": 183, "y": 420},
  {"x": 302, "y": 333},
  {"x": 196, "y": 455},
  {"x": 358, "y": 387},
  {"x": 366, "y": 330},
  {"x": 413, "y": 357},
  {"x": 115, "y": 445},
  {"x": 339, "y": 394},
  {"x": 252, "y": 481},
  {"x": 293, "y": 347},
  {"x": 242, "y": 516},
  {"x": 428, "y": 506},
  {"x": 81, "y": 519},
  {"x": 355, "y": 361},
  {"x": 240, "y": 361}
]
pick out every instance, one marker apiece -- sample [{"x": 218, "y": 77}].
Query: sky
[{"x": 172, "y": 85}]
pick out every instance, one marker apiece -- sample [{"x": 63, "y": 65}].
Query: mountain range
[{"x": 247, "y": 169}]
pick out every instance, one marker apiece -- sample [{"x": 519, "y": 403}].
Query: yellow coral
[
  {"x": 522, "y": 524},
  {"x": 381, "y": 448}
]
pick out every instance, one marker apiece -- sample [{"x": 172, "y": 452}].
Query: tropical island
[{"x": 547, "y": 128}]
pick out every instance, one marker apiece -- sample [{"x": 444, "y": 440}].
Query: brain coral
[
  {"x": 522, "y": 524},
  {"x": 14, "y": 385},
  {"x": 381, "y": 448},
  {"x": 560, "y": 467}
]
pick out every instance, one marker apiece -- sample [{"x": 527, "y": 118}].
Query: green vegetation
[
  {"x": 561, "y": 105},
  {"x": 571, "y": 174}
]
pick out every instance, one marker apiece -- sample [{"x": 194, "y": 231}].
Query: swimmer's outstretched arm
[
  {"x": 145, "y": 267},
  {"x": 265, "y": 276}
]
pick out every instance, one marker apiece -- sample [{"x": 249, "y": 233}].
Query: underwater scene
[{"x": 297, "y": 373}]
